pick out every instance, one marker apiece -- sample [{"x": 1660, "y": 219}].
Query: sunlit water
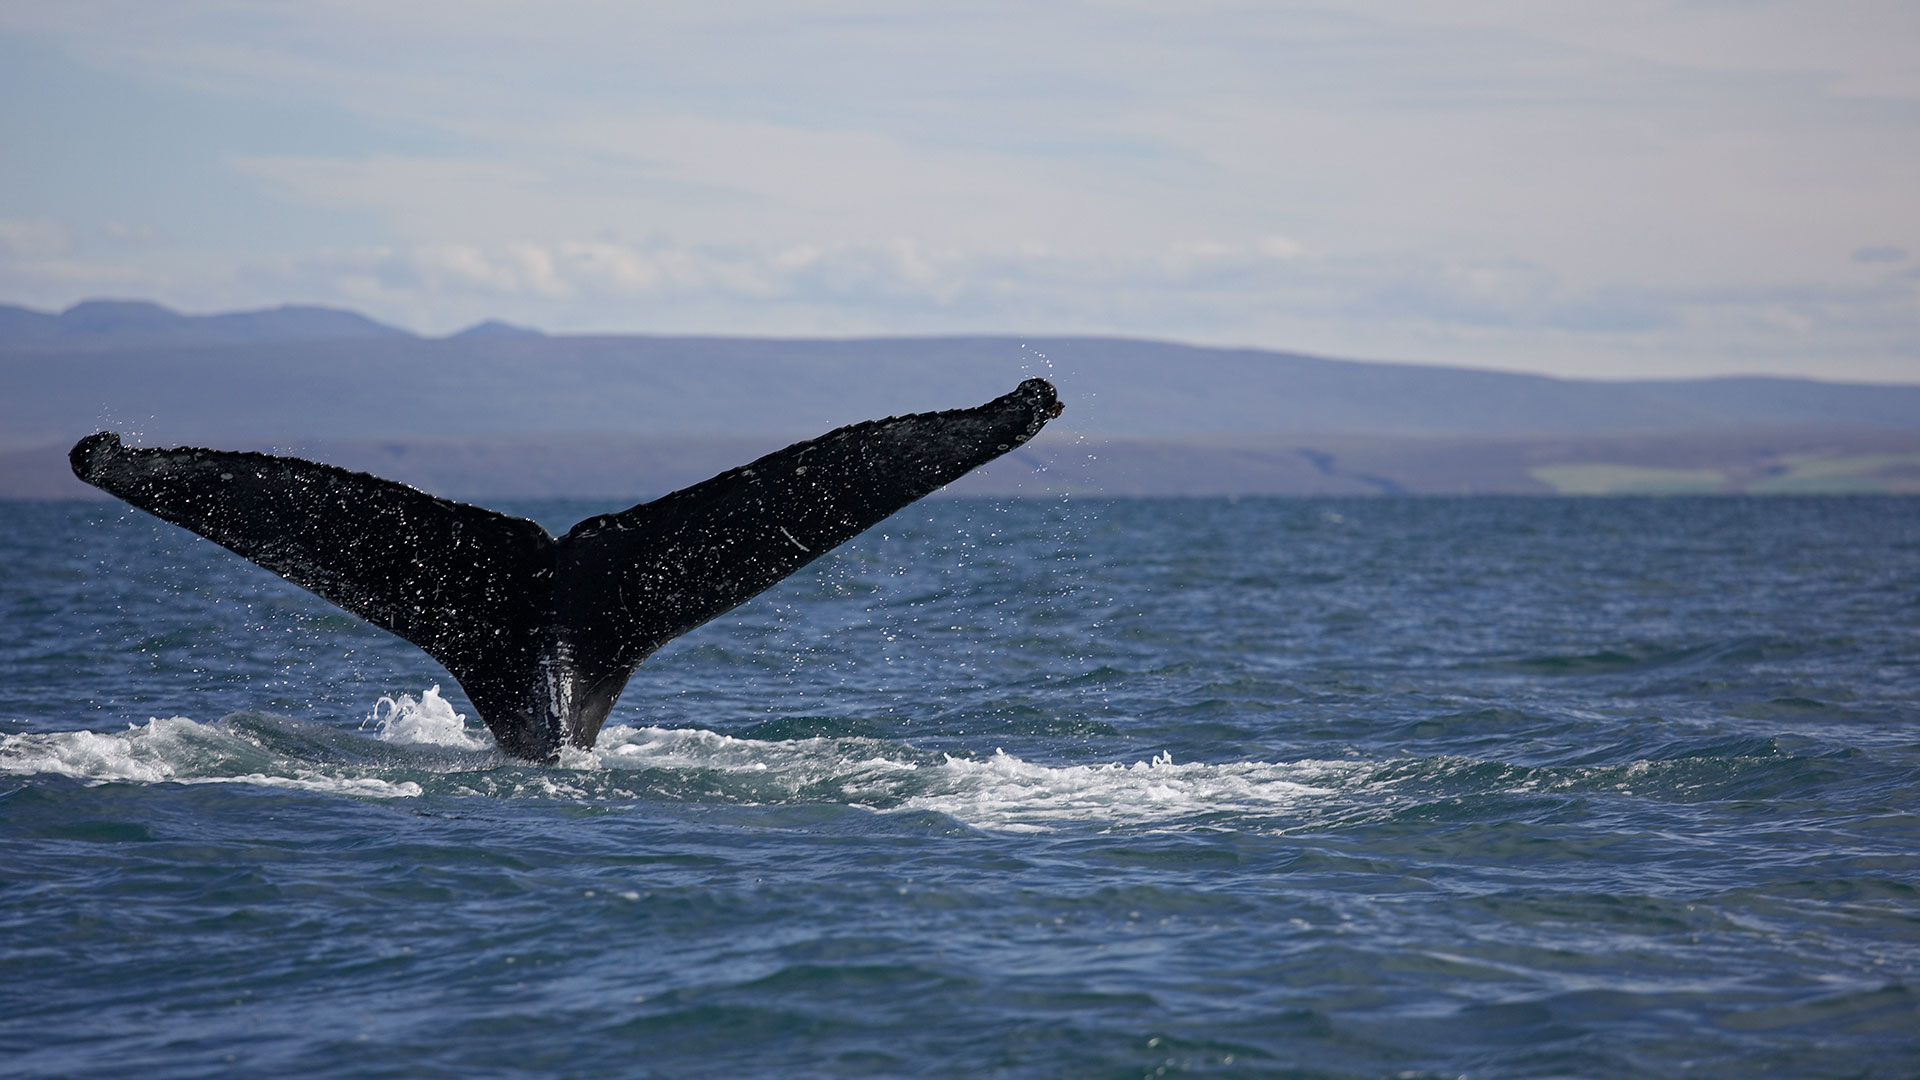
[{"x": 1495, "y": 788}]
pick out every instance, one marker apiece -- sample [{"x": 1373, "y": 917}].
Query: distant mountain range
[
  {"x": 117, "y": 324},
  {"x": 1170, "y": 418}
]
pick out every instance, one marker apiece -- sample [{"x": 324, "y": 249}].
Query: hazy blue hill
[
  {"x": 298, "y": 322},
  {"x": 496, "y": 328},
  {"x": 114, "y": 324},
  {"x": 123, "y": 320},
  {"x": 392, "y": 385},
  {"x": 1739, "y": 400},
  {"x": 1180, "y": 417},
  {"x": 25, "y": 324}
]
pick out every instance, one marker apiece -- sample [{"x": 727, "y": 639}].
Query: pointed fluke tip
[
  {"x": 1050, "y": 404},
  {"x": 92, "y": 453}
]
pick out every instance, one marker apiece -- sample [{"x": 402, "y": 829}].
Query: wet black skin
[{"x": 543, "y": 633}]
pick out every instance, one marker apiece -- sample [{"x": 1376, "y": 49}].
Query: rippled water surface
[{"x": 1303, "y": 788}]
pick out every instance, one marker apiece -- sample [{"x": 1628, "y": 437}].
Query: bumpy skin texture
[{"x": 543, "y": 633}]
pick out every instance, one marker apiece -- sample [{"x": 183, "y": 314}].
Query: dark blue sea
[{"x": 1042, "y": 788}]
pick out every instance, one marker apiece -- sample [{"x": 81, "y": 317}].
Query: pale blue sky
[{"x": 1618, "y": 188}]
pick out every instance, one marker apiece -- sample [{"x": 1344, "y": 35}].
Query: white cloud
[
  {"x": 1280, "y": 247},
  {"x": 1490, "y": 314},
  {"x": 133, "y": 235},
  {"x": 1863, "y": 48},
  {"x": 20, "y": 236},
  {"x": 444, "y": 198},
  {"x": 1880, "y": 253},
  {"x": 1525, "y": 184}
]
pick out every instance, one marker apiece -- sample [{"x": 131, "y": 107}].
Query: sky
[{"x": 1620, "y": 188}]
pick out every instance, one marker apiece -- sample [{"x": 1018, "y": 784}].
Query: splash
[{"x": 428, "y": 720}]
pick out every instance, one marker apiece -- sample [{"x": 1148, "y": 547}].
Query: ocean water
[{"x": 1045, "y": 788}]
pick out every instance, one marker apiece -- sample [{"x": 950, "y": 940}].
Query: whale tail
[{"x": 541, "y": 632}]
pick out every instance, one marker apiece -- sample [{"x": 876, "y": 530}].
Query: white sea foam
[
  {"x": 695, "y": 748},
  {"x": 1005, "y": 792},
  {"x": 149, "y": 752},
  {"x": 309, "y": 780},
  {"x": 176, "y": 750},
  {"x": 1000, "y": 792},
  {"x": 428, "y": 720}
]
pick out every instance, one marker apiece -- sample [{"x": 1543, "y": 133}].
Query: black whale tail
[{"x": 543, "y": 633}]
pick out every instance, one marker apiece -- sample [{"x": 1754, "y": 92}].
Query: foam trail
[
  {"x": 176, "y": 750},
  {"x": 1007, "y": 793},
  {"x": 1001, "y": 792}
]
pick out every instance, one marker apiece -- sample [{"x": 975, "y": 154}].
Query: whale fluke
[{"x": 543, "y": 633}]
